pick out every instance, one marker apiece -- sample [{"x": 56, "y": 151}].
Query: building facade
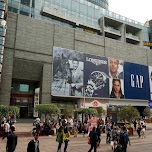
[
  {"x": 102, "y": 3},
  {"x": 37, "y": 31}
]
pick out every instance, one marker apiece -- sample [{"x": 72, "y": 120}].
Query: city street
[{"x": 76, "y": 144}]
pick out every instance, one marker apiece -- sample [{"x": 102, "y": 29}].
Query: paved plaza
[{"x": 76, "y": 144}]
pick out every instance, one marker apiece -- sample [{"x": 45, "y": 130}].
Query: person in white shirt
[{"x": 6, "y": 128}]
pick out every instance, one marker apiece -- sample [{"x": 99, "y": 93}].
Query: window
[
  {"x": 33, "y": 3},
  {"x": 12, "y": 9},
  {"x": 83, "y": 9},
  {"x": 2, "y": 40},
  {"x": 24, "y": 88},
  {"x": 1, "y": 49},
  {"x": 1, "y": 59},
  {"x": 25, "y": 2},
  {"x": 1, "y": 14},
  {"x": 2, "y": 6}
]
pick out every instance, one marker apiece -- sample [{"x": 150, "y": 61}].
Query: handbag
[{"x": 88, "y": 140}]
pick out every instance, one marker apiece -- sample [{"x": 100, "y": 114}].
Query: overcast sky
[{"x": 138, "y": 10}]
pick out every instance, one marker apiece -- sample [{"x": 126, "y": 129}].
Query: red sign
[{"x": 95, "y": 103}]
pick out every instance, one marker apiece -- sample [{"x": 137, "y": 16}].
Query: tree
[
  {"x": 100, "y": 111},
  {"x": 47, "y": 109},
  {"x": 88, "y": 111},
  {"x": 147, "y": 112},
  {"x": 128, "y": 113},
  {"x": 9, "y": 110},
  {"x": 68, "y": 111}
]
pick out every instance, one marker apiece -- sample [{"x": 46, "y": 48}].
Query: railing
[
  {"x": 131, "y": 36},
  {"x": 110, "y": 29}
]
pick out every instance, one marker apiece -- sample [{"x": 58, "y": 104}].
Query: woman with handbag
[{"x": 66, "y": 135}]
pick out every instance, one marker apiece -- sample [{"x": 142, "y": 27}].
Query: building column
[
  {"x": 6, "y": 81},
  {"x": 46, "y": 82}
]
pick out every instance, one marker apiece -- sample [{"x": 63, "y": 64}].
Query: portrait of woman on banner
[{"x": 116, "y": 91}]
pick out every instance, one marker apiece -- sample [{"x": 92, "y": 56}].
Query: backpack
[{"x": 123, "y": 138}]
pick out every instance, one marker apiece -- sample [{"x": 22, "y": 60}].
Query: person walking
[
  {"x": 93, "y": 140},
  {"x": 124, "y": 139},
  {"x": 33, "y": 145},
  {"x": 135, "y": 125},
  {"x": 11, "y": 140},
  {"x": 108, "y": 133},
  {"x": 59, "y": 138},
  {"x": 139, "y": 130},
  {"x": 6, "y": 129},
  {"x": 66, "y": 135},
  {"x": 98, "y": 131}
]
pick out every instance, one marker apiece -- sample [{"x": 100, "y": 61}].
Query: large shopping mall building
[{"x": 42, "y": 39}]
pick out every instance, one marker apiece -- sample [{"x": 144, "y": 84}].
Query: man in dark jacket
[
  {"x": 33, "y": 145},
  {"x": 124, "y": 139},
  {"x": 93, "y": 139},
  {"x": 98, "y": 131},
  {"x": 11, "y": 140}
]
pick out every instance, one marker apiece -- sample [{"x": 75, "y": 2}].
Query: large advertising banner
[
  {"x": 96, "y": 77},
  {"x": 77, "y": 74},
  {"x": 136, "y": 81},
  {"x": 150, "y": 81},
  {"x": 67, "y": 72}
]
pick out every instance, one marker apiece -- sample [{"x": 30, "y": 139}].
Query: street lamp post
[
  {"x": 84, "y": 88},
  {"x": 84, "y": 99}
]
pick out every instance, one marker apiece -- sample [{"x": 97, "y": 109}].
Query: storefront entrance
[
  {"x": 25, "y": 103},
  {"x": 23, "y": 112}
]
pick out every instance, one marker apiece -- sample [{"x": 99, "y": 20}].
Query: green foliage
[
  {"x": 88, "y": 111},
  {"x": 68, "y": 111},
  {"x": 100, "y": 111},
  {"x": 47, "y": 109},
  {"x": 128, "y": 113},
  {"x": 147, "y": 112},
  {"x": 11, "y": 110}
]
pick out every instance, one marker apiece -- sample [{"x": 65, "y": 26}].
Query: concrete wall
[{"x": 29, "y": 43}]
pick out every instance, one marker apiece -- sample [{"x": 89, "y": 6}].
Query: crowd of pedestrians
[{"x": 116, "y": 136}]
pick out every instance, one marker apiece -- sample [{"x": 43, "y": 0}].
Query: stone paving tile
[{"x": 77, "y": 144}]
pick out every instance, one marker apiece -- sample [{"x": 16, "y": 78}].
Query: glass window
[
  {"x": 1, "y": 49},
  {"x": 25, "y": 10},
  {"x": 24, "y": 13},
  {"x": 2, "y": 6},
  {"x": 0, "y": 69},
  {"x": 97, "y": 13},
  {"x": 25, "y": 2},
  {"x": 83, "y": 9},
  {"x": 1, "y": 58},
  {"x": 75, "y": 6},
  {"x": 66, "y": 3},
  {"x": 24, "y": 88},
  {"x": 33, "y": 3},
  {"x": 57, "y": 2},
  {"x": 1, "y": 14},
  {"x": 2, "y": 40},
  {"x": 90, "y": 12}
]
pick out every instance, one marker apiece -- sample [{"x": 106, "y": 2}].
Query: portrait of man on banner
[
  {"x": 115, "y": 68},
  {"x": 76, "y": 81},
  {"x": 67, "y": 72}
]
